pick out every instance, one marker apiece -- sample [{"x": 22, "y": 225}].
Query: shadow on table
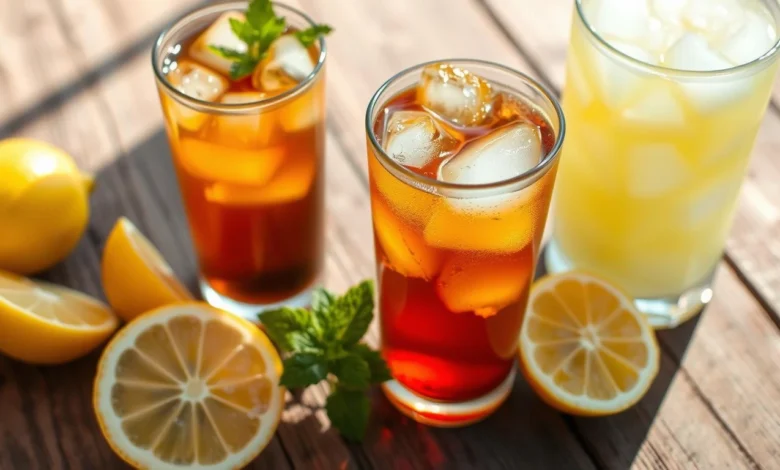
[{"x": 523, "y": 433}]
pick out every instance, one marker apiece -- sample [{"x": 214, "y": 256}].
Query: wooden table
[{"x": 77, "y": 73}]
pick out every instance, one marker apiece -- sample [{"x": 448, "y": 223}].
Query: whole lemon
[{"x": 44, "y": 205}]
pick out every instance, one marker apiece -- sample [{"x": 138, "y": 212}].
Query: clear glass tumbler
[
  {"x": 455, "y": 261},
  {"x": 250, "y": 169},
  {"x": 652, "y": 165}
]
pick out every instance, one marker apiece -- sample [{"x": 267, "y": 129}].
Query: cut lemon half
[
  {"x": 584, "y": 347},
  {"x": 135, "y": 276},
  {"x": 189, "y": 385},
  {"x": 41, "y": 323}
]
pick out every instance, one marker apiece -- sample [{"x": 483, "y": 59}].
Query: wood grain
[{"x": 712, "y": 370}]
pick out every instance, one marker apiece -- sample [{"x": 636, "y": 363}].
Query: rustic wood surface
[{"x": 77, "y": 73}]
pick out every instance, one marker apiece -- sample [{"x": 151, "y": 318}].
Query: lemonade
[{"x": 664, "y": 99}]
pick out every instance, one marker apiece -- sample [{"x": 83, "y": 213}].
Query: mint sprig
[
  {"x": 324, "y": 344},
  {"x": 260, "y": 29}
]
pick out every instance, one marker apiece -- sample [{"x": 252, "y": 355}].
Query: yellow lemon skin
[
  {"x": 44, "y": 206},
  {"x": 46, "y": 324}
]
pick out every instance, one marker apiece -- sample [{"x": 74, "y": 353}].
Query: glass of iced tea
[
  {"x": 248, "y": 154},
  {"x": 462, "y": 158}
]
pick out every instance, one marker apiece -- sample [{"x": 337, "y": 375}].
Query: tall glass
[
  {"x": 455, "y": 262},
  {"x": 652, "y": 168},
  {"x": 251, "y": 176}
]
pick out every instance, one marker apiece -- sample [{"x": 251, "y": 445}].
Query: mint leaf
[
  {"x": 348, "y": 412},
  {"x": 352, "y": 371},
  {"x": 261, "y": 28},
  {"x": 289, "y": 328},
  {"x": 243, "y": 30},
  {"x": 259, "y": 13},
  {"x": 308, "y": 36},
  {"x": 353, "y": 312},
  {"x": 321, "y": 303},
  {"x": 321, "y": 300},
  {"x": 324, "y": 343},
  {"x": 376, "y": 364},
  {"x": 269, "y": 33},
  {"x": 304, "y": 369},
  {"x": 242, "y": 68},
  {"x": 227, "y": 52}
]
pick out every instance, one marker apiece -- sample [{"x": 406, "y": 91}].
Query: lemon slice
[
  {"x": 189, "y": 385},
  {"x": 42, "y": 323},
  {"x": 584, "y": 347},
  {"x": 136, "y": 278}
]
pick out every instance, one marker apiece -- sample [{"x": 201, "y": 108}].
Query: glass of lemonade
[
  {"x": 663, "y": 99},
  {"x": 248, "y": 154},
  {"x": 462, "y": 158}
]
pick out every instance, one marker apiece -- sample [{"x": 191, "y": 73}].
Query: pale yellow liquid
[{"x": 651, "y": 167}]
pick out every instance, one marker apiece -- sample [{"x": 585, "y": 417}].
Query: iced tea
[
  {"x": 248, "y": 154},
  {"x": 462, "y": 160}
]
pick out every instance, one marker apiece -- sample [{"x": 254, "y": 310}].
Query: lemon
[
  {"x": 43, "y": 205},
  {"x": 136, "y": 278},
  {"x": 41, "y": 323},
  {"x": 189, "y": 386},
  {"x": 584, "y": 347}
]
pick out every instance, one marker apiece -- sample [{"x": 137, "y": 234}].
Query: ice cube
[
  {"x": 198, "y": 82},
  {"x": 483, "y": 285},
  {"x": 577, "y": 86},
  {"x": 213, "y": 162},
  {"x": 693, "y": 52},
  {"x": 655, "y": 170},
  {"x": 499, "y": 229},
  {"x": 617, "y": 80},
  {"x": 661, "y": 35},
  {"x": 711, "y": 203},
  {"x": 713, "y": 18},
  {"x": 503, "y": 154},
  {"x": 657, "y": 107},
  {"x": 256, "y": 128},
  {"x": 305, "y": 111},
  {"x": 413, "y": 204},
  {"x": 287, "y": 64},
  {"x": 292, "y": 177},
  {"x": 455, "y": 94},
  {"x": 751, "y": 41},
  {"x": 670, "y": 11},
  {"x": 218, "y": 34},
  {"x": 626, "y": 20},
  {"x": 404, "y": 247},
  {"x": 414, "y": 138}
]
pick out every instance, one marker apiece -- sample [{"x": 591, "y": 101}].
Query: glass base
[
  {"x": 447, "y": 414},
  {"x": 250, "y": 311},
  {"x": 662, "y": 312}
]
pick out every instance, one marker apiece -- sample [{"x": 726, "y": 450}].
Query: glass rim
[
  {"x": 763, "y": 59},
  {"x": 417, "y": 180},
  {"x": 218, "y": 7}
]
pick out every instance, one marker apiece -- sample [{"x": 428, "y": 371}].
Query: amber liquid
[
  {"x": 433, "y": 351},
  {"x": 252, "y": 187}
]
